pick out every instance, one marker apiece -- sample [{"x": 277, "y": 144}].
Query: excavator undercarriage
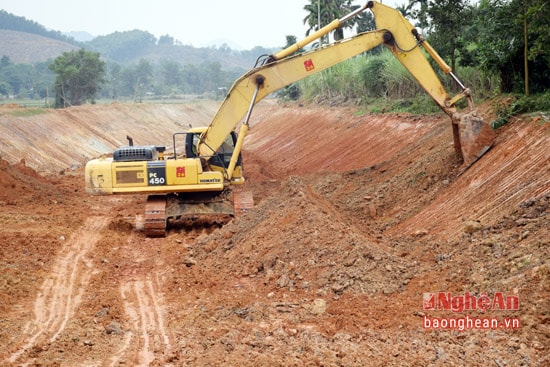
[{"x": 212, "y": 208}]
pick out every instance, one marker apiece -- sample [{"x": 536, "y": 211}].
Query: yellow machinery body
[
  {"x": 104, "y": 177},
  {"x": 147, "y": 169}
]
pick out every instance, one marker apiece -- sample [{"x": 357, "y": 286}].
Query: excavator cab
[{"x": 220, "y": 160}]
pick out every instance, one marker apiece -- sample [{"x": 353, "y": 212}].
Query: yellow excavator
[{"x": 198, "y": 179}]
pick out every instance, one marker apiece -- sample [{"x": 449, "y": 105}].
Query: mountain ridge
[{"x": 25, "y": 41}]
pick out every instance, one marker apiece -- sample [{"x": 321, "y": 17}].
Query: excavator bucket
[{"x": 472, "y": 137}]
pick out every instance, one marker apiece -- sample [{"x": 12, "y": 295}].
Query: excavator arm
[
  {"x": 260, "y": 82},
  {"x": 472, "y": 137}
]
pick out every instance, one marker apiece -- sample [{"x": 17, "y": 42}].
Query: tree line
[
  {"x": 21, "y": 24},
  {"x": 68, "y": 76},
  {"x": 133, "y": 65},
  {"x": 505, "y": 41},
  {"x": 498, "y": 45}
]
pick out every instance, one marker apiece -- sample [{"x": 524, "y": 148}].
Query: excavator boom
[
  {"x": 472, "y": 137},
  {"x": 274, "y": 76}
]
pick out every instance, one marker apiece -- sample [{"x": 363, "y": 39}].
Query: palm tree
[{"x": 322, "y": 12}]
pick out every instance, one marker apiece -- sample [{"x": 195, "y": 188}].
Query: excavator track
[
  {"x": 242, "y": 202},
  {"x": 199, "y": 207},
  {"x": 155, "y": 216}
]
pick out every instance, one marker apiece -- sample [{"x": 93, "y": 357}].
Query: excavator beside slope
[{"x": 198, "y": 180}]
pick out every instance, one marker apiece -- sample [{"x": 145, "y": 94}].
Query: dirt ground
[{"x": 358, "y": 219}]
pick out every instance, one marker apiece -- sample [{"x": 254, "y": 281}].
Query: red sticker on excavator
[{"x": 309, "y": 65}]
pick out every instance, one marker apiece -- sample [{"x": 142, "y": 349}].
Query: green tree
[
  {"x": 192, "y": 79},
  {"x": 212, "y": 76},
  {"x": 417, "y": 10},
  {"x": 24, "y": 80},
  {"x": 510, "y": 38},
  {"x": 5, "y": 88},
  {"x": 4, "y": 61},
  {"x": 114, "y": 81},
  {"x": 169, "y": 77},
  {"x": 144, "y": 79},
  {"x": 443, "y": 22},
  {"x": 128, "y": 80},
  {"x": 42, "y": 79},
  {"x": 448, "y": 19},
  {"x": 166, "y": 40},
  {"x": 365, "y": 22},
  {"x": 80, "y": 75},
  {"x": 535, "y": 18},
  {"x": 21, "y": 78},
  {"x": 292, "y": 91},
  {"x": 538, "y": 16}
]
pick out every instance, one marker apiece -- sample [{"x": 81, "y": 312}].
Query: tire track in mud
[
  {"x": 144, "y": 307},
  {"x": 61, "y": 293}
]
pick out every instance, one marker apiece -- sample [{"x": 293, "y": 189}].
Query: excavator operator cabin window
[{"x": 222, "y": 157}]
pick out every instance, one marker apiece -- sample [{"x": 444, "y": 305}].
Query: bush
[
  {"x": 515, "y": 105},
  {"x": 381, "y": 75}
]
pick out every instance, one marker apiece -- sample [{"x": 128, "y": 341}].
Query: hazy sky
[{"x": 247, "y": 23}]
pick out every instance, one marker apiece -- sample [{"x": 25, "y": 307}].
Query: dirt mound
[
  {"x": 399, "y": 172},
  {"x": 21, "y": 183},
  {"x": 297, "y": 239}
]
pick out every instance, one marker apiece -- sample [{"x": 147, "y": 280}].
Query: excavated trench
[{"x": 357, "y": 217}]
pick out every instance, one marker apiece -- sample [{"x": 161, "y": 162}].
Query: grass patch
[
  {"x": 417, "y": 105},
  {"x": 359, "y": 113},
  {"x": 25, "y": 112},
  {"x": 511, "y": 105}
]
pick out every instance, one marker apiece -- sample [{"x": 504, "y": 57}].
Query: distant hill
[
  {"x": 80, "y": 36},
  {"x": 12, "y": 22},
  {"x": 25, "y": 41},
  {"x": 27, "y": 48},
  {"x": 131, "y": 46}
]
